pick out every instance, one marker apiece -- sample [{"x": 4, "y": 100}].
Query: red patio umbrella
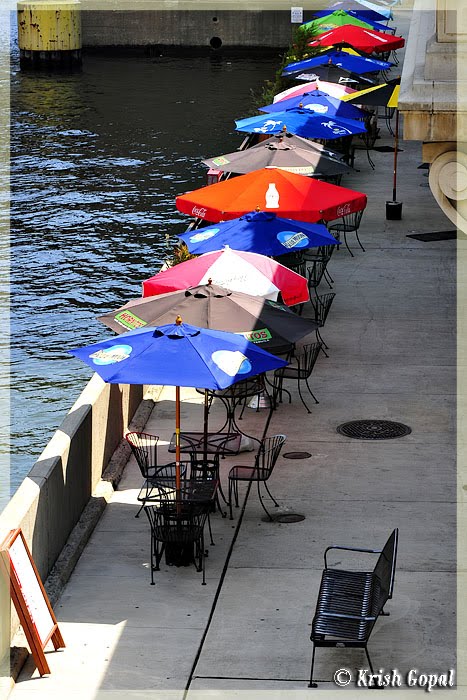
[
  {"x": 366, "y": 40},
  {"x": 286, "y": 194},
  {"x": 236, "y": 270}
]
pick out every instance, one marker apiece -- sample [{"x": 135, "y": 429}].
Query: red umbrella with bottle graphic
[{"x": 288, "y": 195}]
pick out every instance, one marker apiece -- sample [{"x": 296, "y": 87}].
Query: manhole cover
[
  {"x": 373, "y": 429},
  {"x": 284, "y": 518},
  {"x": 297, "y": 455}
]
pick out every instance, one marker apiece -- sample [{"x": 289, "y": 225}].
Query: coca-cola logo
[
  {"x": 199, "y": 211},
  {"x": 344, "y": 209}
]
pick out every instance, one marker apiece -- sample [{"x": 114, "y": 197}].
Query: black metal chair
[
  {"x": 350, "y": 223},
  {"x": 204, "y": 467},
  {"x": 305, "y": 363},
  {"x": 350, "y": 602},
  {"x": 265, "y": 461},
  {"x": 177, "y": 523},
  {"x": 144, "y": 448},
  {"x": 365, "y": 141},
  {"x": 322, "y": 305},
  {"x": 317, "y": 265}
]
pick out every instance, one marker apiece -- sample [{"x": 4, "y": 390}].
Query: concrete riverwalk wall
[
  {"x": 211, "y": 29},
  {"x": 66, "y": 482}
]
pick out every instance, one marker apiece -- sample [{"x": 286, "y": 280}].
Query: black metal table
[
  {"x": 234, "y": 396},
  {"x": 216, "y": 444},
  {"x": 200, "y": 492}
]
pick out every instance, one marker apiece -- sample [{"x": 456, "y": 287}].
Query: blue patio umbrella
[
  {"x": 379, "y": 26},
  {"x": 302, "y": 122},
  {"x": 342, "y": 59},
  {"x": 368, "y": 10},
  {"x": 177, "y": 355},
  {"x": 318, "y": 102},
  {"x": 259, "y": 232}
]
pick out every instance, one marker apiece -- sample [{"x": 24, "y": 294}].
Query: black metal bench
[{"x": 350, "y": 602}]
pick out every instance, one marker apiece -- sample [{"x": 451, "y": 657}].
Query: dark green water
[{"x": 97, "y": 159}]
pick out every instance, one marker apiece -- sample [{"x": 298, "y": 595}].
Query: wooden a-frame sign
[{"x": 30, "y": 598}]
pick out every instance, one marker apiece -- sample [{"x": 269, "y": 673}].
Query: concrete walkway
[{"x": 391, "y": 333}]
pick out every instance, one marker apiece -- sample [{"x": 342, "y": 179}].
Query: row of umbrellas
[{"x": 270, "y": 209}]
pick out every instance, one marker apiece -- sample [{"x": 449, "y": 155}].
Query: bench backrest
[{"x": 385, "y": 567}]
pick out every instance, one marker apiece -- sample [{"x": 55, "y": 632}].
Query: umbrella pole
[
  {"x": 177, "y": 438},
  {"x": 205, "y": 424},
  {"x": 396, "y": 139}
]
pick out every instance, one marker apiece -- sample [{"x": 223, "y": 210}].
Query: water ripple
[{"x": 98, "y": 158}]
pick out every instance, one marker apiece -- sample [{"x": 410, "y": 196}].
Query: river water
[{"x": 97, "y": 158}]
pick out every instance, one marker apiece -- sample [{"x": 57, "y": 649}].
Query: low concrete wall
[
  {"x": 52, "y": 498},
  {"x": 186, "y": 28}
]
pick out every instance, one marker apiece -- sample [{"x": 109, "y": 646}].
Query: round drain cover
[
  {"x": 373, "y": 429},
  {"x": 287, "y": 517},
  {"x": 297, "y": 455}
]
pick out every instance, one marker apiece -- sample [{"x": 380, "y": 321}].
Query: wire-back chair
[
  {"x": 144, "y": 449},
  {"x": 301, "y": 372},
  {"x": 322, "y": 305},
  {"x": 265, "y": 461},
  {"x": 349, "y": 223}
]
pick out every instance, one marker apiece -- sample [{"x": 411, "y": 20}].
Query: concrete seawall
[
  {"x": 65, "y": 490},
  {"x": 211, "y": 29}
]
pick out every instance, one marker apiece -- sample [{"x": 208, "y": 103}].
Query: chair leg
[
  {"x": 270, "y": 495},
  {"x": 346, "y": 244},
  {"x": 328, "y": 279},
  {"x": 369, "y": 159},
  {"x": 210, "y": 530},
  {"x": 359, "y": 242},
  {"x": 323, "y": 344},
  {"x": 311, "y": 684},
  {"x": 308, "y": 387},
  {"x": 369, "y": 660},
  {"x": 262, "y": 504},
  {"x": 137, "y": 514},
  {"x": 230, "y": 498},
  {"x": 301, "y": 397}
]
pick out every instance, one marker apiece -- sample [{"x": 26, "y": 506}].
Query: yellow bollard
[{"x": 49, "y": 33}]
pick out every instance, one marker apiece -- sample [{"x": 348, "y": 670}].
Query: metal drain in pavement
[
  {"x": 297, "y": 455},
  {"x": 373, "y": 429},
  {"x": 284, "y": 517}
]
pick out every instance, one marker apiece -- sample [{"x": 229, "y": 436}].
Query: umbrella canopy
[
  {"x": 355, "y": 64},
  {"x": 333, "y": 73},
  {"x": 333, "y": 20},
  {"x": 259, "y": 232},
  {"x": 210, "y": 306},
  {"x": 385, "y": 95},
  {"x": 303, "y": 122},
  {"x": 288, "y": 195},
  {"x": 279, "y": 154},
  {"x": 306, "y": 144},
  {"x": 318, "y": 102},
  {"x": 379, "y": 26},
  {"x": 369, "y": 10},
  {"x": 236, "y": 270},
  {"x": 332, "y": 89},
  {"x": 367, "y": 40},
  {"x": 177, "y": 355}
]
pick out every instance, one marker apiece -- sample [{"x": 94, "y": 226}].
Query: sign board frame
[
  {"x": 296, "y": 15},
  {"x": 30, "y": 599}
]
